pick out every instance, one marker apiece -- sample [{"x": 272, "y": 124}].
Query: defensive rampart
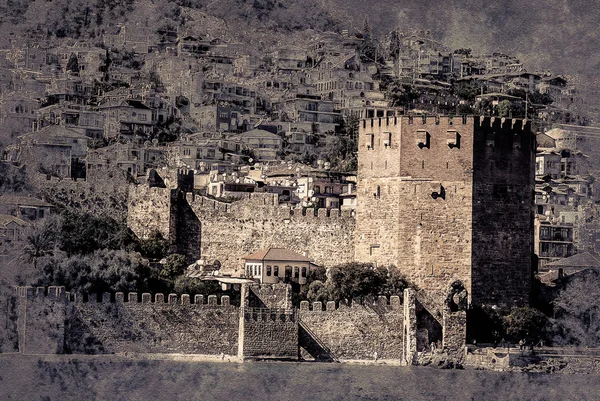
[
  {"x": 152, "y": 209},
  {"x": 268, "y": 333},
  {"x": 231, "y": 230},
  {"x": 357, "y": 330},
  {"x": 200, "y": 226},
  {"x": 59, "y": 322},
  {"x": 52, "y": 321}
]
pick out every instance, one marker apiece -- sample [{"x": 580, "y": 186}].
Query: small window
[
  {"x": 296, "y": 272},
  {"x": 373, "y": 249},
  {"x": 303, "y": 271},
  {"x": 268, "y": 270},
  {"x": 276, "y": 271},
  {"x": 423, "y": 139},
  {"x": 370, "y": 141},
  {"x": 387, "y": 139}
]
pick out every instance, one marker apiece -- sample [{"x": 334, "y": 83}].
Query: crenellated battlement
[
  {"x": 393, "y": 303},
  {"x": 515, "y": 125},
  {"x": 52, "y": 292},
  {"x": 420, "y": 120},
  {"x": 59, "y": 293},
  {"x": 430, "y": 121},
  {"x": 268, "y": 207}
]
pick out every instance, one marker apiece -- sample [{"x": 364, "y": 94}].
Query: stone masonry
[
  {"x": 52, "y": 321},
  {"x": 201, "y": 227},
  {"x": 60, "y": 322},
  {"x": 230, "y": 231},
  {"x": 360, "y": 330},
  {"x": 447, "y": 199}
]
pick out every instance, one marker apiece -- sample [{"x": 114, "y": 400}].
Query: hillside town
[
  {"x": 281, "y": 119},
  {"x": 259, "y": 169}
]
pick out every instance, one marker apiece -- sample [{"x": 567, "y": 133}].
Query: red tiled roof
[{"x": 277, "y": 254}]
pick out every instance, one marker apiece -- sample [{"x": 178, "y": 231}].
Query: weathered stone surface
[
  {"x": 455, "y": 334},
  {"x": 150, "y": 328},
  {"x": 275, "y": 296},
  {"x": 150, "y": 210},
  {"x": 41, "y": 322},
  {"x": 360, "y": 332},
  {"x": 54, "y": 325},
  {"x": 409, "y": 354},
  {"x": 441, "y": 213},
  {"x": 269, "y": 333},
  {"x": 252, "y": 224},
  {"x": 198, "y": 226},
  {"x": 51, "y": 324}
]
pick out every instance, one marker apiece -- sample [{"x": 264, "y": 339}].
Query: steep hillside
[{"x": 41, "y": 20}]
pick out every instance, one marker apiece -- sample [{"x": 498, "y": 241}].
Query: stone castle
[
  {"x": 447, "y": 201},
  {"x": 443, "y": 199}
]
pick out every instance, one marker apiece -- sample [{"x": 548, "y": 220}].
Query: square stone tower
[{"x": 449, "y": 198}]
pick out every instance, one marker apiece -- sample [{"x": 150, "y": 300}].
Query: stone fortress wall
[
  {"x": 53, "y": 321},
  {"x": 357, "y": 330},
  {"x": 203, "y": 227},
  {"x": 448, "y": 200},
  {"x": 59, "y": 322},
  {"x": 150, "y": 210},
  {"x": 230, "y": 231}
]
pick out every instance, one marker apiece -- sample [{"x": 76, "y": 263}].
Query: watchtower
[{"x": 449, "y": 198}]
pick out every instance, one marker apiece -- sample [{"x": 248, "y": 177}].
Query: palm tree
[{"x": 39, "y": 243}]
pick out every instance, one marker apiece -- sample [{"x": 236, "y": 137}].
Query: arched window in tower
[{"x": 378, "y": 193}]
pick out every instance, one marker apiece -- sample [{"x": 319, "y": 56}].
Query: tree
[
  {"x": 155, "y": 247},
  {"x": 394, "y": 284},
  {"x": 83, "y": 233},
  {"x": 467, "y": 90},
  {"x": 483, "y": 107},
  {"x": 355, "y": 280},
  {"x": 102, "y": 271},
  {"x": 525, "y": 323},
  {"x": 352, "y": 280},
  {"x": 485, "y": 324},
  {"x": 464, "y": 51},
  {"x": 540, "y": 98},
  {"x": 577, "y": 312},
  {"x": 317, "y": 292},
  {"x": 402, "y": 94},
  {"x": 174, "y": 266},
  {"x": 187, "y": 285},
  {"x": 13, "y": 179},
  {"x": 464, "y": 109},
  {"x": 41, "y": 241},
  {"x": 366, "y": 27},
  {"x": 504, "y": 108}
]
